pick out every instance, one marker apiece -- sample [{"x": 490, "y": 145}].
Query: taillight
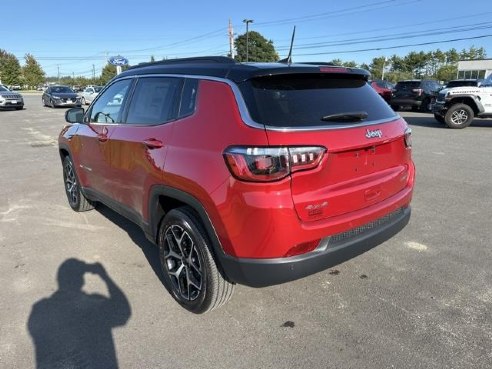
[
  {"x": 408, "y": 138},
  {"x": 418, "y": 91},
  {"x": 267, "y": 164}
]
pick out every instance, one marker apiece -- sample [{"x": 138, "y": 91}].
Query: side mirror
[{"x": 74, "y": 115}]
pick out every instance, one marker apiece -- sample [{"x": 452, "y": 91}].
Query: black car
[
  {"x": 60, "y": 96},
  {"x": 416, "y": 94}
]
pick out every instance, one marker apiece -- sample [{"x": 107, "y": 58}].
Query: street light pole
[
  {"x": 247, "y": 21},
  {"x": 382, "y": 72}
]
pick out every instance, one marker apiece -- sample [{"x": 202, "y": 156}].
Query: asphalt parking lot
[{"x": 421, "y": 300}]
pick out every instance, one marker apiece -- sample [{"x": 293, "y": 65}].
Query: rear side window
[
  {"x": 302, "y": 100},
  {"x": 188, "y": 97},
  {"x": 154, "y": 100}
]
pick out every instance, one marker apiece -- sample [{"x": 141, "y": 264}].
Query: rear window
[
  {"x": 302, "y": 100},
  {"x": 407, "y": 85}
]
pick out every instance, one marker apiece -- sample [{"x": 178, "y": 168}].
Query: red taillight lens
[
  {"x": 266, "y": 164},
  {"x": 408, "y": 138},
  {"x": 418, "y": 91}
]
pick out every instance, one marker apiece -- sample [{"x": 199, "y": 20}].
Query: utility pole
[
  {"x": 247, "y": 21},
  {"x": 93, "y": 73},
  {"x": 58, "y": 67},
  {"x": 231, "y": 39}
]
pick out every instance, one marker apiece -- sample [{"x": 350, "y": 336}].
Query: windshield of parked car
[
  {"x": 305, "y": 100},
  {"x": 3, "y": 89},
  {"x": 98, "y": 88},
  {"x": 62, "y": 90}
]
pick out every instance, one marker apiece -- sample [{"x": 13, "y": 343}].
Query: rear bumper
[
  {"x": 405, "y": 101},
  {"x": 332, "y": 251}
]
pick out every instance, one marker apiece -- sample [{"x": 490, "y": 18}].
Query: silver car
[
  {"x": 9, "y": 99},
  {"x": 89, "y": 94}
]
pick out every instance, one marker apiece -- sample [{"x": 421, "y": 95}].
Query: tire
[
  {"x": 459, "y": 116},
  {"x": 19, "y": 107},
  {"x": 52, "y": 104},
  {"x": 44, "y": 103},
  {"x": 439, "y": 118},
  {"x": 190, "y": 272},
  {"x": 75, "y": 197},
  {"x": 83, "y": 101},
  {"x": 395, "y": 107}
]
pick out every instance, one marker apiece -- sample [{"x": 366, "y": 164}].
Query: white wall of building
[{"x": 474, "y": 68}]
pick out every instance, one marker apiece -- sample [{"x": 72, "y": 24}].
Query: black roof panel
[{"x": 223, "y": 67}]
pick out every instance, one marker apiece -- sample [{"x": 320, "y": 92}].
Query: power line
[
  {"x": 435, "y": 32},
  {"x": 396, "y": 47}
]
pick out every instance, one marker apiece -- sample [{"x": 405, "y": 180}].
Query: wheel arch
[
  {"x": 163, "y": 199},
  {"x": 472, "y": 101}
]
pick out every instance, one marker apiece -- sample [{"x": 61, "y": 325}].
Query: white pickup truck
[{"x": 458, "y": 106}]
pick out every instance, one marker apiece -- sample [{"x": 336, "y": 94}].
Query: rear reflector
[
  {"x": 302, "y": 248},
  {"x": 266, "y": 164}
]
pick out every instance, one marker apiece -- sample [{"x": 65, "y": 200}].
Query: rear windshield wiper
[{"x": 355, "y": 116}]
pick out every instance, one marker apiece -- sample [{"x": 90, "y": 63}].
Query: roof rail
[{"x": 197, "y": 59}]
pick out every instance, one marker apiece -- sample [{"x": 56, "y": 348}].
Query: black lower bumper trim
[{"x": 267, "y": 272}]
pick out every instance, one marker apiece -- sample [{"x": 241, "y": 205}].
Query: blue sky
[{"x": 73, "y": 36}]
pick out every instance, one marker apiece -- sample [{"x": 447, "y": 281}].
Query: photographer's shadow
[{"x": 72, "y": 329}]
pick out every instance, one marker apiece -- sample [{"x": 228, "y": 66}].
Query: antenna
[{"x": 288, "y": 59}]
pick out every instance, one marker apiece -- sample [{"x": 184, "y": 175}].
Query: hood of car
[
  {"x": 464, "y": 90},
  {"x": 64, "y": 95}
]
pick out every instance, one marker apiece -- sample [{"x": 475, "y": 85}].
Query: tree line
[{"x": 437, "y": 64}]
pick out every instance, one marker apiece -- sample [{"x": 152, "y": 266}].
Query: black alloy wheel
[
  {"x": 75, "y": 197},
  {"x": 190, "y": 272}
]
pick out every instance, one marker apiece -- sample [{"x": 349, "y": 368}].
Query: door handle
[
  {"x": 153, "y": 143},
  {"x": 103, "y": 136}
]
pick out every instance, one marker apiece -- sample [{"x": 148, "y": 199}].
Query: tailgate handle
[{"x": 153, "y": 143}]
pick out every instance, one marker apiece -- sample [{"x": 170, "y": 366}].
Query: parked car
[
  {"x": 383, "y": 88},
  {"x": 458, "y": 106},
  {"x": 9, "y": 99},
  {"x": 416, "y": 94},
  {"x": 55, "y": 96},
  {"x": 299, "y": 168},
  {"x": 89, "y": 94}
]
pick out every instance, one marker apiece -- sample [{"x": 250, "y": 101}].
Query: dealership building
[{"x": 474, "y": 68}]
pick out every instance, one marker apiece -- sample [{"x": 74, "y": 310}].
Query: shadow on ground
[
  {"x": 136, "y": 234},
  {"x": 73, "y": 329}
]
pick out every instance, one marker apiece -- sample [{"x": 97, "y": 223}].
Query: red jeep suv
[{"x": 249, "y": 173}]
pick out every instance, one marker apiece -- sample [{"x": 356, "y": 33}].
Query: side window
[
  {"x": 108, "y": 107},
  {"x": 188, "y": 97},
  {"x": 154, "y": 100}
]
